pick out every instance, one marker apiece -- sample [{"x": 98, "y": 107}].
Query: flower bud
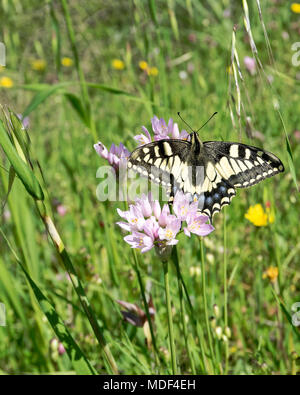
[
  {"x": 219, "y": 332},
  {"x": 216, "y": 310}
]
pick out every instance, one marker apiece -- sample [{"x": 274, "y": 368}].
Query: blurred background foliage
[{"x": 99, "y": 70}]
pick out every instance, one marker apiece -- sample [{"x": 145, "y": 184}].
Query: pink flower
[
  {"x": 139, "y": 240},
  {"x": 161, "y": 131},
  {"x": 162, "y": 220},
  {"x": 183, "y": 135},
  {"x": 250, "y": 64},
  {"x": 61, "y": 349},
  {"x": 182, "y": 206},
  {"x": 169, "y": 233},
  {"x": 134, "y": 218},
  {"x": 114, "y": 156},
  {"x": 196, "y": 223},
  {"x": 145, "y": 204},
  {"x": 61, "y": 210},
  {"x": 143, "y": 138},
  {"x": 152, "y": 226}
]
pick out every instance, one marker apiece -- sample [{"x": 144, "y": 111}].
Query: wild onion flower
[
  {"x": 115, "y": 156},
  {"x": 151, "y": 225},
  {"x": 161, "y": 131}
]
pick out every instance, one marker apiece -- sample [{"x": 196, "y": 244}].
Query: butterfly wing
[
  {"x": 234, "y": 165},
  {"x": 242, "y": 165},
  {"x": 161, "y": 161}
]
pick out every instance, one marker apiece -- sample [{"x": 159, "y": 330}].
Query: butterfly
[{"x": 210, "y": 171}]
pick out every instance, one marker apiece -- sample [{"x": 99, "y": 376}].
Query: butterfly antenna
[
  {"x": 207, "y": 121},
  {"x": 184, "y": 121}
]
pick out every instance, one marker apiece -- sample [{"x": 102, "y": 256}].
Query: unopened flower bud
[
  {"x": 228, "y": 332},
  {"x": 219, "y": 332},
  {"x": 216, "y": 310}
]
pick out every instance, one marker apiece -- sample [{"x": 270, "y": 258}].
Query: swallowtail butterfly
[{"x": 210, "y": 171}]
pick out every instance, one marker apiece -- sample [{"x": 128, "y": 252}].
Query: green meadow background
[{"x": 232, "y": 306}]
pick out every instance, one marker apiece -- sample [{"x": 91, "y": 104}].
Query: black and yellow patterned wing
[
  {"x": 161, "y": 161},
  {"x": 234, "y": 165}
]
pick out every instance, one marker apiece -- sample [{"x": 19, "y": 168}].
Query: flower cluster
[
  {"x": 115, "y": 154},
  {"x": 161, "y": 131},
  {"x": 152, "y": 226}
]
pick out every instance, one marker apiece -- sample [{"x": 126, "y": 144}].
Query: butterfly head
[{"x": 196, "y": 143}]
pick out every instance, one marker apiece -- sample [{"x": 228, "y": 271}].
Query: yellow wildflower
[
  {"x": 143, "y": 65},
  {"x": 257, "y": 215},
  {"x": 295, "y": 7},
  {"x": 153, "y": 71},
  {"x": 6, "y": 82},
  {"x": 271, "y": 273},
  {"x": 118, "y": 64},
  {"x": 66, "y": 62},
  {"x": 38, "y": 64}
]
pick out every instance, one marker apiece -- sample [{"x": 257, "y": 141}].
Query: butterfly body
[{"x": 210, "y": 171}]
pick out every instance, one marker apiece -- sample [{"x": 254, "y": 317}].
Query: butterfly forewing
[
  {"x": 242, "y": 165},
  {"x": 160, "y": 161}
]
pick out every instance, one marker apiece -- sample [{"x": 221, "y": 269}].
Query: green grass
[{"x": 68, "y": 288}]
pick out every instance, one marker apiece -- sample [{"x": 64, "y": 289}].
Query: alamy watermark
[
  {"x": 2, "y": 54},
  {"x": 125, "y": 185},
  {"x": 296, "y": 57},
  {"x": 2, "y": 315},
  {"x": 296, "y": 316}
]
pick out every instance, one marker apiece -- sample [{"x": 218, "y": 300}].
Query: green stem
[
  {"x": 225, "y": 291},
  {"x": 205, "y": 305},
  {"x": 182, "y": 309},
  {"x": 170, "y": 320},
  {"x": 137, "y": 270}
]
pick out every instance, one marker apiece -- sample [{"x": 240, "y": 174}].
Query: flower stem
[
  {"x": 205, "y": 305},
  {"x": 182, "y": 309},
  {"x": 225, "y": 291},
  {"x": 137, "y": 270},
  {"x": 170, "y": 320}
]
